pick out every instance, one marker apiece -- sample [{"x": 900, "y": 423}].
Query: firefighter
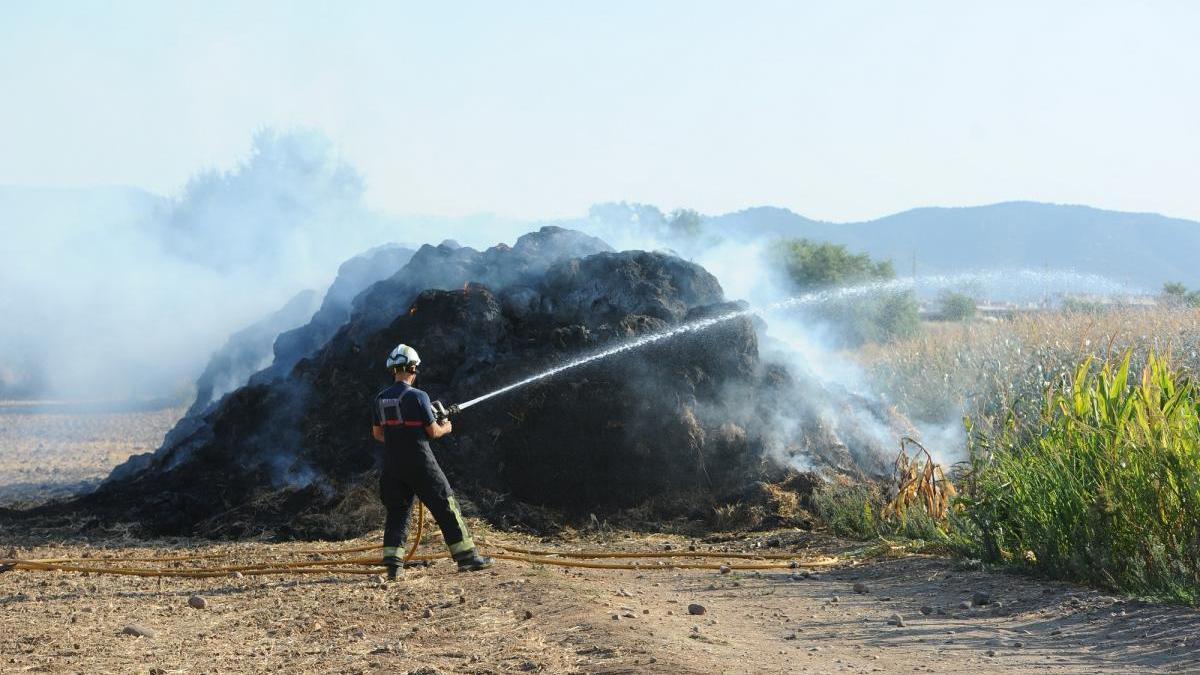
[{"x": 404, "y": 422}]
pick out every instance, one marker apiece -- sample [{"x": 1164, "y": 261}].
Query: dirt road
[{"x": 523, "y": 618}]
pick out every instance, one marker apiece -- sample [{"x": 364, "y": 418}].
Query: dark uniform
[{"x": 410, "y": 470}]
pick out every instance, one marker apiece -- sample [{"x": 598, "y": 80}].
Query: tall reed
[{"x": 1103, "y": 486}]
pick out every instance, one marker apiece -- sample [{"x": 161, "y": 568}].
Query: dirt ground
[
  {"x": 50, "y": 450},
  {"x": 538, "y": 618}
]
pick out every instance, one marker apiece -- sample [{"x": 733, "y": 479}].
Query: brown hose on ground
[
  {"x": 514, "y": 553},
  {"x": 420, "y": 528},
  {"x": 326, "y": 566},
  {"x": 648, "y": 554}
]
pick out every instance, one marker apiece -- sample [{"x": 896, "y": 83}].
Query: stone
[
  {"x": 926, "y": 610},
  {"x": 980, "y": 598},
  {"x": 861, "y": 588},
  {"x": 137, "y": 631},
  {"x": 428, "y": 613},
  {"x": 197, "y": 602},
  {"x": 725, "y": 569},
  {"x": 697, "y": 609},
  {"x": 527, "y": 615},
  {"x": 896, "y": 620},
  {"x": 965, "y": 604}
]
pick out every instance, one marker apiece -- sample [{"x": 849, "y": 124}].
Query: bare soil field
[
  {"x": 540, "y": 618},
  {"x": 52, "y": 450},
  {"x": 523, "y": 617}
]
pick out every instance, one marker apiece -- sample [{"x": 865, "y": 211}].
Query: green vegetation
[
  {"x": 957, "y": 306},
  {"x": 1078, "y": 468},
  {"x": 1176, "y": 294},
  {"x": 1103, "y": 487},
  {"x": 685, "y": 223},
  {"x": 881, "y": 317},
  {"x": 813, "y": 265}
]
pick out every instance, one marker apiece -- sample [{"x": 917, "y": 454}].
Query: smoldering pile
[{"x": 675, "y": 429}]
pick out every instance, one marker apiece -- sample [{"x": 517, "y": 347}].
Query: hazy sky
[{"x": 837, "y": 110}]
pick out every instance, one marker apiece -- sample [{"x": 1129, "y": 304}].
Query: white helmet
[{"x": 404, "y": 357}]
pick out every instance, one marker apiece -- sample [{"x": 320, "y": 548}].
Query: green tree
[
  {"x": 869, "y": 317},
  {"x": 1174, "y": 289},
  {"x": 685, "y": 223},
  {"x": 957, "y": 306},
  {"x": 1177, "y": 295},
  {"x": 813, "y": 266}
]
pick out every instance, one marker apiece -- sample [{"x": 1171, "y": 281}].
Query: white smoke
[
  {"x": 119, "y": 294},
  {"x": 835, "y": 390}
]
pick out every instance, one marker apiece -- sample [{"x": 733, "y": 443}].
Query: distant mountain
[{"x": 1141, "y": 249}]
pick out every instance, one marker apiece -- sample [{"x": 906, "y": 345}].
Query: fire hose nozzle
[{"x": 442, "y": 412}]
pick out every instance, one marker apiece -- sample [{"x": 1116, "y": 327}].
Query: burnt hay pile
[{"x": 671, "y": 430}]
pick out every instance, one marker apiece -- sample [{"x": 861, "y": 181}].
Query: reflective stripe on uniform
[
  {"x": 466, "y": 544},
  {"x": 392, "y": 551},
  {"x": 387, "y": 405}
]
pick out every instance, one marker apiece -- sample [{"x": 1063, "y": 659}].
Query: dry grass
[
  {"x": 920, "y": 483},
  {"x": 988, "y": 369}
]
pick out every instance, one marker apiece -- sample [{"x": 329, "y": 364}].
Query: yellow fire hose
[{"x": 577, "y": 559}]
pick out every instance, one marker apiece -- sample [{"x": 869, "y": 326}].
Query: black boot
[
  {"x": 395, "y": 569},
  {"x": 470, "y": 561}
]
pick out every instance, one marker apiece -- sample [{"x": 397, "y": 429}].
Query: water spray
[{"x": 1094, "y": 283}]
